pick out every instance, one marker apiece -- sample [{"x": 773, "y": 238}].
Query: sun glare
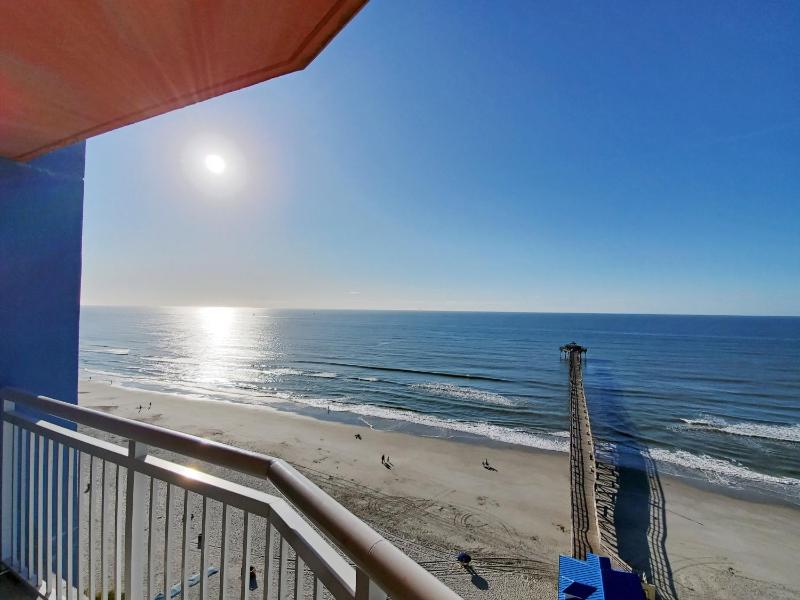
[
  {"x": 217, "y": 322},
  {"x": 215, "y": 163}
]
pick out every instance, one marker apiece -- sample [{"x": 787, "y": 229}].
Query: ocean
[{"x": 714, "y": 399}]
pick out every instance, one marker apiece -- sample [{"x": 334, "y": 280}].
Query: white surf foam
[
  {"x": 786, "y": 433},
  {"x": 494, "y": 432},
  {"x": 555, "y": 442},
  {"x": 171, "y": 360},
  {"x": 282, "y": 371},
  {"x": 464, "y": 393},
  {"x": 107, "y": 350},
  {"x": 368, "y": 379},
  {"x": 720, "y": 471},
  {"x": 325, "y": 375}
]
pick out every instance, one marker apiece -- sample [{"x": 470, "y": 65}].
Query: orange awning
[{"x": 71, "y": 69}]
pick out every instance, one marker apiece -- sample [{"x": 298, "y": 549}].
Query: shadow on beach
[
  {"x": 630, "y": 497},
  {"x": 478, "y": 581}
]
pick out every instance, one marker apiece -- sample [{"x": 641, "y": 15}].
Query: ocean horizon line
[{"x": 447, "y": 311}]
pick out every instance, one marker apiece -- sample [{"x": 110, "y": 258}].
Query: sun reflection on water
[
  {"x": 217, "y": 323},
  {"x": 213, "y": 340}
]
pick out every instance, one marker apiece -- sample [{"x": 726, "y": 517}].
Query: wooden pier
[
  {"x": 587, "y": 536},
  {"x": 582, "y": 461}
]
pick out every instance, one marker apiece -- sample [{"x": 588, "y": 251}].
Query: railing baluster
[
  {"x": 245, "y": 556},
  {"x": 150, "y": 537},
  {"x": 59, "y": 456},
  {"x": 118, "y": 525},
  {"x": 48, "y": 524},
  {"x": 203, "y": 549},
  {"x": 70, "y": 500},
  {"x": 103, "y": 578},
  {"x": 15, "y": 493},
  {"x": 366, "y": 589},
  {"x": 318, "y": 589},
  {"x": 298, "y": 577},
  {"x": 269, "y": 557},
  {"x": 283, "y": 583},
  {"x": 31, "y": 502},
  {"x": 7, "y": 484},
  {"x": 134, "y": 525},
  {"x": 167, "y": 521},
  {"x": 223, "y": 553},
  {"x": 23, "y": 500},
  {"x": 79, "y": 557},
  {"x": 92, "y": 554},
  {"x": 40, "y": 467},
  {"x": 184, "y": 553}
]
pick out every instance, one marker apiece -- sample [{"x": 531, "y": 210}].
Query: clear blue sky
[{"x": 533, "y": 156}]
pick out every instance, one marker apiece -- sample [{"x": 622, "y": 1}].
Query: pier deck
[
  {"x": 589, "y": 547},
  {"x": 583, "y": 467}
]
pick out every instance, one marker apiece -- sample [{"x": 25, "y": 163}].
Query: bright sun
[{"x": 215, "y": 163}]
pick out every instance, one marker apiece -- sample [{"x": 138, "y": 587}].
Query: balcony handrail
[
  {"x": 337, "y": 575},
  {"x": 381, "y": 561}
]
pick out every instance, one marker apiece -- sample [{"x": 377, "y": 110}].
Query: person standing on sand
[
  {"x": 253, "y": 581},
  {"x": 465, "y": 560}
]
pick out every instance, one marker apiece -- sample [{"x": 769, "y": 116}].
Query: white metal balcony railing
[{"x": 132, "y": 533}]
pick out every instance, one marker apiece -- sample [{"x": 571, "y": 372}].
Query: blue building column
[
  {"x": 41, "y": 225},
  {"x": 41, "y": 219}
]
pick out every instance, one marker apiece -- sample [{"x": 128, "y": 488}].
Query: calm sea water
[{"x": 716, "y": 398}]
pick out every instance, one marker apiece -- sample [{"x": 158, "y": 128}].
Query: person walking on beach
[{"x": 383, "y": 458}]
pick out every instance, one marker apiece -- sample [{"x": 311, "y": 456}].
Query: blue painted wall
[
  {"x": 41, "y": 217},
  {"x": 41, "y": 226}
]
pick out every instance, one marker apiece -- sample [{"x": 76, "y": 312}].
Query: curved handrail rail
[{"x": 397, "y": 574}]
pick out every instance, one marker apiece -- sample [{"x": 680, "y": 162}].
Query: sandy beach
[{"x": 514, "y": 521}]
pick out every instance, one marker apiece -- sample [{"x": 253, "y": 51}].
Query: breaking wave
[
  {"x": 464, "y": 393},
  {"x": 282, "y": 371},
  {"x": 405, "y": 370},
  {"x": 107, "y": 350},
  {"x": 722, "y": 471},
  {"x": 785, "y": 433},
  {"x": 541, "y": 441}
]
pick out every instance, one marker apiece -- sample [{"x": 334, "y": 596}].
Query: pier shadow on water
[{"x": 630, "y": 497}]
